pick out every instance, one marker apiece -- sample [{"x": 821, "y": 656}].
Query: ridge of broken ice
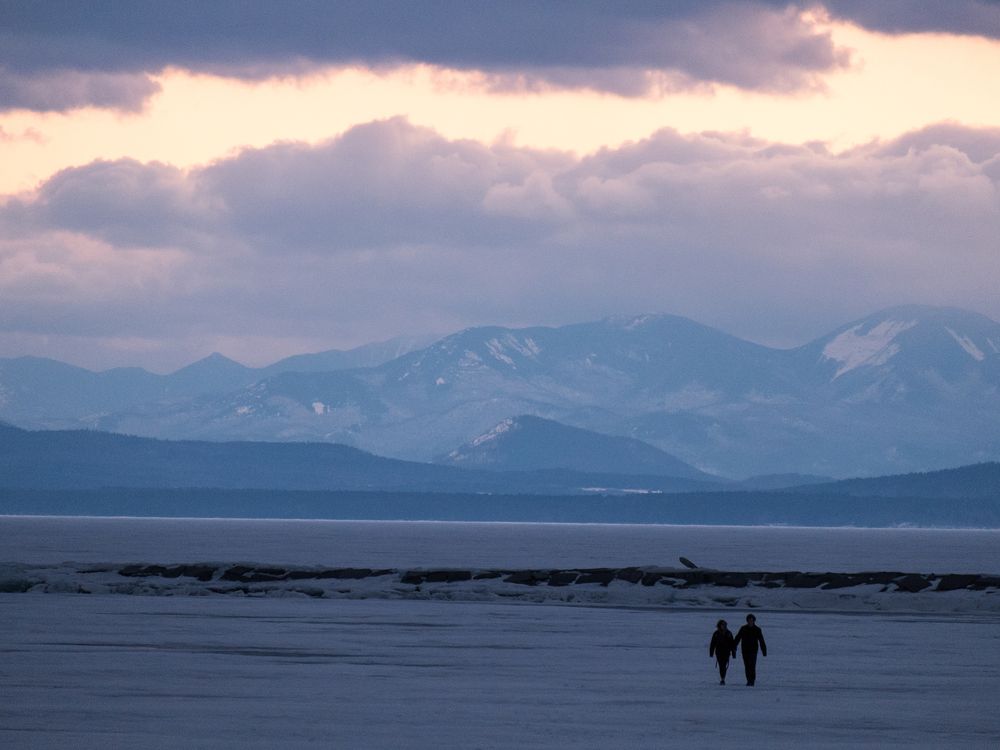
[{"x": 626, "y": 586}]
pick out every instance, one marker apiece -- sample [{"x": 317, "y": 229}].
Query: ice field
[
  {"x": 155, "y": 672},
  {"x": 41, "y": 539},
  {"x": 195, "y": 671}
]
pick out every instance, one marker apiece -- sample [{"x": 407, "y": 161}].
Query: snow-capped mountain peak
[
  {"x": 866, "y": 345},
  {"x": 902, "y": 389},
  {"x": 918, "y": 340}
]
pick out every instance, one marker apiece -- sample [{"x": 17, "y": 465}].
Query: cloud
[
  {"x": 978, "y": 144},
  {"x": 122, "y": 202},
  {"x": 379, "y": 185},
  {"x": 28, "y": 134},
  {"x": 59, "y": 90},
  {"x": 394, "y": 228},
  {"x": 968, "y": 17},
  {"x": 63, "y": 55}
]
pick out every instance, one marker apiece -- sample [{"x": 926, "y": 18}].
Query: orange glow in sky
[{"x": 895, "y": 84}]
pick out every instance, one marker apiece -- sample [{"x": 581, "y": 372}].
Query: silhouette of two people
[{"x": 723, "y": 647}]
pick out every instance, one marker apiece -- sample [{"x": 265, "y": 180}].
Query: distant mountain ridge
[
  {"x": 526, "y": 443},
  {"x": 975, "y": 481},
  {"x": 76, "y": 459},
  {"x": 45, "y": 393},
  {"x": 367, "y": 355},
  {"x": 908, "y": 388},
  {"x": 82, "y": 459},
  {"x": 91, "y": 473},
  {"x": 908, "y": 352}
]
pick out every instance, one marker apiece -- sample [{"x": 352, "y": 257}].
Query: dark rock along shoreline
[{"x": 677, "y": 578}]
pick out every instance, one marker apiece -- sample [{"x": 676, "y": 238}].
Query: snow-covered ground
[
  {"x": 141, "y": 672},
  {"x": 378, "y": 663}
]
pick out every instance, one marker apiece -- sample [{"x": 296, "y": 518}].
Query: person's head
[
  {"x": 751, "y": 619},
  {"x": 720, "y": 625}
]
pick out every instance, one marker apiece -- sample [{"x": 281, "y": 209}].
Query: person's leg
[
  {"x": 723, "y": 666},
  {"x": 750, "y": 666}
]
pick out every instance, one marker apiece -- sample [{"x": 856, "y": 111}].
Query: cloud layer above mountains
[
  {"x": 63, "y": 54},
  {"x": 395, "y": 228}
]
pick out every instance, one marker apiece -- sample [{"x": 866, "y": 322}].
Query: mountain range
[
  {"x": 85, "y": 459},
  {"x": 45, "y": 393},
  {"x": 907, "y": 389},
  {"x": 80, "y": 472},
  {"x": 526, "y": 443}
]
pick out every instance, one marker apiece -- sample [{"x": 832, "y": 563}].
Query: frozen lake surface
[
  {"x": 427, "y": 544},
  {"x": 172, "y": 671},
  {"x": 162, "y": 672}
]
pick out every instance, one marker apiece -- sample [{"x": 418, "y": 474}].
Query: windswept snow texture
[
  {"x": 872, "y": 347},
  {"x": 493, "y": 434},
  {"x": 136, "y": 672},
  {"x": 970, "y": 347}
]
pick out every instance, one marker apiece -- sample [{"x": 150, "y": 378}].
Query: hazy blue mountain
[
  {"x": 905, "y": 389},
  {"x": 87, "y": 459},
  {"x": 525, "y": 443},
  {"x": 654, "y": 361},
  {"x": 427, "y": 402},
  {"x": 909, "y": 388},
  {"x": 35, "y": 390},
  {"x": 976, "y": 481},
  {"x": 40, "y": 392},
  {"x": 368, "y": 355},
  {"x": 45, "y": 393},
  {"x": 86, "y": 472},
  {"x": 82, "y": 459},
  {"x": 909, "y": 354},
  {"x": 779, "y": 481},
  {"x": 213, "y": 374}
]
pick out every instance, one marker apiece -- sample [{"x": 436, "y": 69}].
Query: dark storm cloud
[
  {"x": 62, "y": 54},
  {"x": 970, "y": 17},
  {"x": 104, "y": 49},
  {"x": 394, "y": 228}
]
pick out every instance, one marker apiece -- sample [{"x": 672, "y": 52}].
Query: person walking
[
  {"x": 749, "y": 638},
  {"x": 722, "y": 648}
]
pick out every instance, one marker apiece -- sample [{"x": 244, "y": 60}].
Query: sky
[{"x": 269, "y": 178}]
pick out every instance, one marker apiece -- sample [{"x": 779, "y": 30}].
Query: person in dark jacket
[
  {"x": 749, "y": 638},
  {"x": 722, "y": 648}
]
